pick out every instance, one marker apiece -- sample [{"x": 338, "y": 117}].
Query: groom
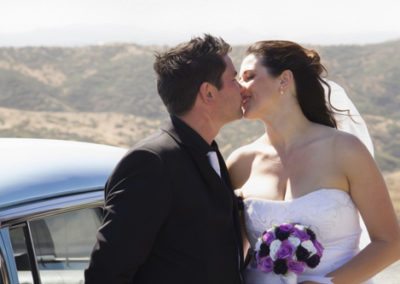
[{"x": 170, "y": 212}]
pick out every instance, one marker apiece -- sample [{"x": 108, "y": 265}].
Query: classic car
[{"x": 51, "y": 195}]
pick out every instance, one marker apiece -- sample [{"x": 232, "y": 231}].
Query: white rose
[
  {"x": 273, "y": 248},
  {"x": 290, "y": 278},
  {"x": 294, "y": 241},
  {"x": 300, "y": 227},
  {"x": 308, "y": 245}
]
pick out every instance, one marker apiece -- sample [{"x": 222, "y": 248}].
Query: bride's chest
[
  {"x": 330, "y": 212},
  {"x": 273, "y": 179}
]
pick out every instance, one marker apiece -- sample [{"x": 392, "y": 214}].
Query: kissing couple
[{"x": 289, "y": 203}]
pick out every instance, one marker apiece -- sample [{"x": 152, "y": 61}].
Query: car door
[{"x": 52, "y": 247}]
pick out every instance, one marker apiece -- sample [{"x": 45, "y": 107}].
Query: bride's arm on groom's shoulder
[{"x": 368, "y": 191}]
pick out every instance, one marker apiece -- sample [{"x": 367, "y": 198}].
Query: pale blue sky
[{"x": 77, "y": 22}]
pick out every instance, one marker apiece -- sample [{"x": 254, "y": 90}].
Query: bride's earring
[{"x": 281, "y": 91}]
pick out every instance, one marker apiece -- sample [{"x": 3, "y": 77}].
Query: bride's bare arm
[{"x": 370, "y": 195}]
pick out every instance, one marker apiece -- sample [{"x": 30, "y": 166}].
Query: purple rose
[
  {"x": 286, "y": 227},
  {"x": 318, "y": 247},
  {"x": 268, "y": 237},
  {"x": 302, "y": 235},
  {"x": 286, "y": 250},
  {"x": 266, "y": 264},
  {"x": 296, "y": 266}
]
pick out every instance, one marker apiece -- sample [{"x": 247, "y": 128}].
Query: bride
[{"x": 303, "y": 170}]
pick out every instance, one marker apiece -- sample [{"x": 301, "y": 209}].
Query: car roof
[{"x": 40, "y": 169}]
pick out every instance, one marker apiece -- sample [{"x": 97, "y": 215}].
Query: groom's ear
[{"x": 206, "y": 92}]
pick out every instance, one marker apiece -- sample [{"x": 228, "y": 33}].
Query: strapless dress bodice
[{"x": 330, "y": 213}]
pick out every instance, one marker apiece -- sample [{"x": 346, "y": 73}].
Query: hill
[
  {"x": 125, "y": 130},
  {"x": 105, "y": 128},
  {"x": 95, "y": 79},
  {"x": 393, "y": 183},
  {"x": 119, "y": 79}
]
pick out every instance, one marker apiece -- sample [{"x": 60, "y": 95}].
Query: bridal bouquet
[{"x": 287, "y": 250}]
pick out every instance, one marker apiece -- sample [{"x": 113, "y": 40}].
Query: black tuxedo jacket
[{"x": 169, "y": 218}]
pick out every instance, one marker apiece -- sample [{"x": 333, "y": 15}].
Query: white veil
[{"x": 353, "y": 124}]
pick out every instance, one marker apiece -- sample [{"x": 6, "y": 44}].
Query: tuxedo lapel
[
  {"x": 207, "y": 172},
  {"x": 201, "y": 161},
  {"x": 225, "y": 176},
  {"x": 216, "y": 185}
]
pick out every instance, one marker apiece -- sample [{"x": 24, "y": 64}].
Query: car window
[
  {"x": 63, "y": 244},
  {"x": 21, "y": 255}
]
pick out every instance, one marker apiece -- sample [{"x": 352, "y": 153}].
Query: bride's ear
[
  {"x": 286, "y": 79},
  {"x": 286, "y": 82}
]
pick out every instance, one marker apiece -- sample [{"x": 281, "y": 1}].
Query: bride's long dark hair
[{"x": 278, "y": 56}]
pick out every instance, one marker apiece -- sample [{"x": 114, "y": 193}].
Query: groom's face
[{"x": 229, "y": 96}]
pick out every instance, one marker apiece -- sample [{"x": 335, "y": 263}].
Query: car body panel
[
  {"x": 41, "y": 177},
  {"x": 34, "y": 169}
]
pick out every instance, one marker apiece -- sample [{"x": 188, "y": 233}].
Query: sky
[{"x": 162, "y": 22}]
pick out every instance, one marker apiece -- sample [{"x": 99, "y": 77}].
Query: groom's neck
[{"x": 203, "y": 124}]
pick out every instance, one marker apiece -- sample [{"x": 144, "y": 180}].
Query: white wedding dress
[{"x": 330, "y": 213}]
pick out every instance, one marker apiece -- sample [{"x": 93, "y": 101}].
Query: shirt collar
[{"x": 191, "y": 138}]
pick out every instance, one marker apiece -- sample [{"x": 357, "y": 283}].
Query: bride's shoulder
[
  {"x": 349, "y": 147},
  {"x": 240, "y": 155},
  {"x": 247, "y": 153},
  {"x": 344, "y": 140},
  {"x": 240, "y": 161}
]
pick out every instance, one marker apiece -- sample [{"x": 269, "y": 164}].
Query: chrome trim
[
  {"x": 8, "y": 255},
  {"x": 56, "y": 205},
  {"x": 32, "y": 254},
  {"x": 3, "y": 270}
]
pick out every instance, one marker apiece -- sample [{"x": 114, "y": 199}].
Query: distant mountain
[
  {"x": 370, "y": 73},
  {"x": 110, "y": 78},
  {"x": 120, "y": 78},
  {"x": 59, "y": 86}
]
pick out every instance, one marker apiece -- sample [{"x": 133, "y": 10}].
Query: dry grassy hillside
[
  {"x": 393, "y": 182},
  {"x": 119, "y": 78},
  {"x": 125, "y": 130},
  {"x": 385, "y": 134},
  {"x": 105, "y": 128}
]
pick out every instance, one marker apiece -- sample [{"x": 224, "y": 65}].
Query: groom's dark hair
[{"x": 182, "y": 69}]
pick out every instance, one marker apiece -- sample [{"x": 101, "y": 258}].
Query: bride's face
[{"x": 261, "y": 89}]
